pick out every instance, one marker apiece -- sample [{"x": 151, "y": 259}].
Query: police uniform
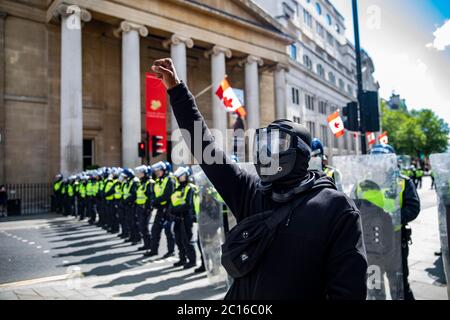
[
  {"x": 163, "y": 189},
  {"x": 144, "y": 199},
  {"x": 57, "y": 195},
  {"x": 126, "y": 208},
  {"x": 82, "y": 200},
  {"x": 410, "y": 208},
  {"x": 90, "y": 200},
  {"x": 109, "y": 206},
  {"x": 185, "y": 204}
]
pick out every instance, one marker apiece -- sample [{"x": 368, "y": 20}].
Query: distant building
[
  {"x": 322, "y": 68},
  {"x": 396, "y": 103}
]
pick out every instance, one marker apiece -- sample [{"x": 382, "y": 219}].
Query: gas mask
[{"x": 280, "y": 152}]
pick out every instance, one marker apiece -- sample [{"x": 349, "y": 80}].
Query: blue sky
[{"x": 409, "y": 41}]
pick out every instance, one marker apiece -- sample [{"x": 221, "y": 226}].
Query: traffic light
[
  {"x": 370, "y": 114},
  {"x": 157, "y": 145},
  {"x": 350, "y": 116},
  {"x": 141, "y": 149}
]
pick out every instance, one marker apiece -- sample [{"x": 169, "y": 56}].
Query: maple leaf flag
[
  {"x": 383, "y": 138},
  {"x": 229, "y": 98},
  {"x": 336, "y": 124},
  {"x": 371, "y": 138}
]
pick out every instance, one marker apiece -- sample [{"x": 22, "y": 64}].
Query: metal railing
[{"x": 32, "y": 197}]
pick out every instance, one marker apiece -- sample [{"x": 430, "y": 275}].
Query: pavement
[{"x": 49, "y": 257}]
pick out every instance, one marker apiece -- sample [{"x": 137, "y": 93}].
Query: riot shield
[
  {"x": 440, "y": 164},
  {"x": 214, "y": 221},
  {"x": 374, "y": 183},
  {"x": 315, "y": 163}
]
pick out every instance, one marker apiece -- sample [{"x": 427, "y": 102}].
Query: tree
[
  {"x": 435, "y": 129},
  {"x": 415, "y": 132}
]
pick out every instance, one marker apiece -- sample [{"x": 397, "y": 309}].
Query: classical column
[
  {"x": 252, "y": 91},
  {"x": 131, "y": 91},
  {"x": 178, "y": 45},
  {"x": 2, "y": 99},
  {"x": 280, "y": 91},
  {"x": 71, "y": 130},
  {"x": 218, "y": 71}
]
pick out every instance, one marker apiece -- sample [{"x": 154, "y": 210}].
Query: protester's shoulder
[{"x": 335, "y": 203}]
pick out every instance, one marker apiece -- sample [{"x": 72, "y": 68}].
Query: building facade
[
  {"x": 322, "y": 68},
  {"x": 72, "y": 75}
]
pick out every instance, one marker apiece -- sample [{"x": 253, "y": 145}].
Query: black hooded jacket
[{"x": 319, "y": 255}]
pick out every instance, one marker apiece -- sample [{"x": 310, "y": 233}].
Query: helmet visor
[{"x": 271, "y": 141}]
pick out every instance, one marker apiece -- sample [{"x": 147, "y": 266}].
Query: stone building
[
  {"x": 72, "y": 75},
  {"x": 322, "y": 68}
]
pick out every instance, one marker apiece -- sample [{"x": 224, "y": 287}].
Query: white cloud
[
  {"x": 441, "y": 37},
  {"x": 411, "y": 78}
]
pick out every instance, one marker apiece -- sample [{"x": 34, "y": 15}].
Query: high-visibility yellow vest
[
  {"x": 379, "y": 199},
  {"x": 196, "y": 199},
  {"x": 329, "y": 172},
  {"x": 101, "y": 185},
  {"x": 178, "y": 198},
  {"x": 57, "y": 185},
  {"x": 160, "y": 186},
  {"x": 108, "y": 187},
  {"x": 70, "y": 190},
  {"x": 82, "y": 190},
  {"x": 141, "y": 196},
  {"x": 95, "y": 188},
  {"x": 90, "y": 189},
  {"x": 118, "y": 191},
  {"x": 127, "y": 190},
  {"x": 63, "y": 189}
]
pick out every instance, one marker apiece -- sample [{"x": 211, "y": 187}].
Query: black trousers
[
  {"x": 68, "y": 205},
  {"x": 408, "y": 294},
  {"x": 81, "y": 208},
  {"x": 183, "y": 237},
  {"x": 144, "y": 216},
  {"x": 90, "y": 209},
  {"x": 200, "y": 249},
  {"x": 162, "y": 222},
  {"x": 115, "y": 212},
  {"x": 124, "y": 223},
  {"x": 135, "y": 235}
]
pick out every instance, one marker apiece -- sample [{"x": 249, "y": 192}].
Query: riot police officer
[
  {"x": 410, "y": 208},
  {"x": 109, "y": 199},
  {"x": 57, "y": 184},
  {"x": 163, "y": 189},
  {"x": 184, "y": 204},
  {"x": 317, "y": 252},
  {"x": 144, "y": 200},
  {"x": 126, "y": 206},
  {"x": 317, "y": 151}
]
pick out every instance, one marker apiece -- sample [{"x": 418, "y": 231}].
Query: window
[
  {"x": 321, "y": 71},
  {"x": 331, "y": 78},
  {"x": 88, "y": 153},
  {"x": 329, "y": 21},
  {"x": 338, "y": 29},
  {"x": 318, "y": 9},
  {"x": 307, "y": 18},
  {"x": 324, "y": 135},
  {"x": 350, "y": 90},
  {"x": 320, "y": 30},
  {"x": 296, "y": 119},
  {"x": 311, "y": 127},
  {"x": 293, "y": 51},
  {"x": 330, "y": 39},
  {"x": 307, "y": 62},
  {"x": 309, "y": 102},
  {"x": 341, "y": 84},
  {"x": 295, "y": 96},
  {"x": 322, "y": 107}
]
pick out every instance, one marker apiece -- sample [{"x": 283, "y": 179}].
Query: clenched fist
[{"x": 165, "y": 71}]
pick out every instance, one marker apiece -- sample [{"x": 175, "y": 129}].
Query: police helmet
[
  {"x": 382, "y": 149},
  {"x": 316, "y": 147}
]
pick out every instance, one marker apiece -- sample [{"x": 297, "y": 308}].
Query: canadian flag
[
  {"x": 229, "y": 98},
  {"x": 383, "y": 138},
  {"x": 336, "y": 124},
  {"x": 371, "y": 137}
]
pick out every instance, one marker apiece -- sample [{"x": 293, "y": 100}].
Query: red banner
[{"x": 156, "y": 109}]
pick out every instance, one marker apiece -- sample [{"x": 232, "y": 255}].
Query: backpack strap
[{"x": 285, "y": 211}]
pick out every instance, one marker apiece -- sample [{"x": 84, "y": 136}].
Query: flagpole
[{"x": 203, "y": 91}]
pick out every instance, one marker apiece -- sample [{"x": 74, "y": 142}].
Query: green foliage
[{"x": 418, "y": 131}]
